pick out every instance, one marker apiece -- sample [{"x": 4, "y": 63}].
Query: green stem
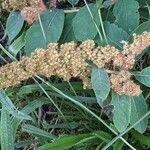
[
  {"x": 97, "y": 28},
  {"x": 101, "y": 22}
]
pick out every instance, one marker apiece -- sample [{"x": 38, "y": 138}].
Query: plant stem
[
  {"x": 97, "y": 28},
  {"x": 101, "y": 22}
]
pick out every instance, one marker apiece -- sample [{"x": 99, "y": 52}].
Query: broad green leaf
[
  {"x": 17, "y": 45},
  {"x": 73, "y": 2},
  {"x": 64, "y": 142},
  {"x": 127, "y": 15},
  {"x": 115, "y": 34},
  {"x": 100, "y": 83},
  {"x": 68, "y": 34},
  {"x": 144, "y": 76},
  {"x": 138, "y": 110},
  {"x": 83, "y": 25},
  {"x": 47, "y": 29},
  {"x": 9, "y": 106},
  {"x": 14, "y": 24},
  {"x": 7, "y": 140},
  {"x": 122, "y": 111},
  {"x": 37, "y": 131},
  {"x": 140, "y": 29}
]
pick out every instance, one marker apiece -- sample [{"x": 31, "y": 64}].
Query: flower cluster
[
  {"x": 29, "y": 8},
  {"x": 70, "y": 60},
  {"x": 126, "y": 58},
  {"x": 66, "y": 61},
  {"x": 122, "y": 84},
  {"x": 125, "y": 61}
]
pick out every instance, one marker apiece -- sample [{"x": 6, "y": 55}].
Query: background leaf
[
  {"x": 127, "y": 15},
  {"x": 47, "y": 29},
  {"x": 17, "y": 45},
  {"x": 64, "y": 142},
  {"x": 140, "y": 29},
  {"x": 37, "y": 131},
  {"x": 7, "y": 140},
  {"x": 14, "y": 24},
  {"x": 138, "y": 109},
  {"x": 83, "y": 24},
  {"x": 144, "y": 76},
  {"x": 9, "y": 106},
  {"x": 100, "y": 83},
  {"x": 115, "y": 34},
  {"x": 68, "y": 34},
  {"x": 31, "y": 107},
  {"x": 122, "y": 111},
  {"x": 143, "y": 139},
  {"x": 73, "y": 2}
]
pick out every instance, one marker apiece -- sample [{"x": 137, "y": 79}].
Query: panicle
[
  {"x": 123, "y": 85},
  {"x": 126, "y": 59},
  {"x": 70, "y": 60},
  {"x": 140, "y": 43}
]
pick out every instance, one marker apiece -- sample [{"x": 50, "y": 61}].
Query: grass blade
[
  {"x": 9, "y": 106},
  {"x": 86, "y": 109},
  {"x": 37, "y": 131},
  {"x": 7, "y": 140}
]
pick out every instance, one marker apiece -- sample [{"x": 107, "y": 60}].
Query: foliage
[{"x": 49, "y": 113}]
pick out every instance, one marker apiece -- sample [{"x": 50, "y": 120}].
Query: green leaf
[
  {"x": 32, "y": 106},
  {"x": 47, "y": 29},
  {"x": 104, "y": 136},
  {"x": 73, "y": 2},
  {"x": 37, "y": 131},
  {"x": 144, "y": 76},
  {"x": 122, "y": 111},
  {"x": 142, "y": 2},
  {"x": 118, "y": 145},
  {"x": 127, "y": 15},
  {"x": 14, "y": 24},
  {"x": 138, "y": 109},
  {"x": 64, "y": 142},
  {"x": 69, "y": 125},
  {"x": 100, "y": 83},
  {"x": 68, "y": 34},
  {"x": 83, "y": 25},
  {"x": 7, "y": 140},
  {"x": 140, "y": 29},
  {"x": 9, "y": 106},
  {"x": 17, "y": 45},
  {"x": 141, "y": 138},
  {"x": 115, "y": 34}
]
